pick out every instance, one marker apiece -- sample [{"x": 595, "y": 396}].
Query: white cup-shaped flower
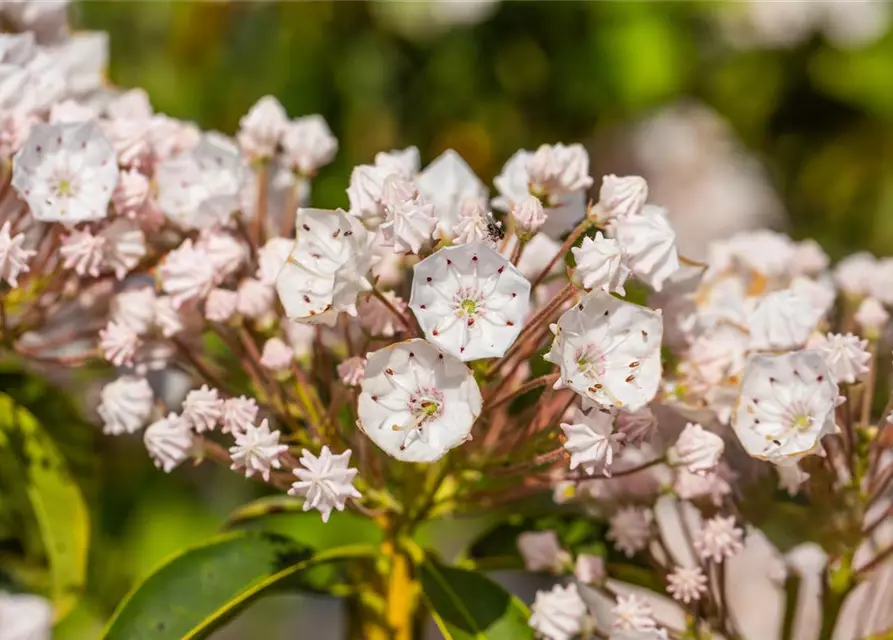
[
  {"x": 649, "y": 244},
  {"x": 608, "y": 351},
  {"x": 782, "y": 320},
  {"x": 469, "y": 300},
  {"x": 66, "y": 172},
  {"x": 327, "y": 267},
  {"x": 786, "y": 406},
  {"x": 446, "y": 183},
  {"x": 417, "y": 403}
]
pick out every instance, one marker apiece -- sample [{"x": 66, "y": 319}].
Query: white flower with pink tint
[
  {"x": 261, "y": 129},
  {"x": 166, "y": 317},
  {"x": 13, "y": 258},
  {"x": 872, "y": 317},
  {"x": 719, "y": 538},
  {"x": 474, "y": 223},
  {"x": 169, "y": 442},
  {"x": 254, "y": 299},
  {"x": 308, "y": 144},
  {"x": 352, "y": 371},
  {"x": 409, "y": 220},
  {"x": 446, "y": 183},
  {"x": 687, "y": 584},
  {"x": 558, "y": 614},
  {"x": 130, "y": 193},
  {"x": 220, "y": 305},
  {"x": 529, "y": 214},
  {"x": 238, "y": 413},
  {"x": 126, "y": 405},
  {"x": 83, "y": 252},
  {"x": 590, "y": 569},
  {"x": 226, "y": 253},
  {"x": 125, "y": 246},
  {"x": 203, "y": 409},
  {"x": 559, "y": 169},
  {"x": 697, "y": 449},
  {"x": 630, "y": 529},
  {"x": 271, "y": 257},
  {"x": 66, "y": 172},
  {"x": 846, "y": 355},
  {"x": 416, "y": 402},
  {"x": 118, "y": 343},
  {"x": 364, "y": 193},
  {"x": 782, "y": 320},
  {"x": 469, "y": 300},
  {"x": 621, "y": 197},
  {"x": 632, "y": 613},
  {"x": 591, "y": 441},
  {"x": 649, "y": 244},
  {"x": 608, "y": 351},
  {"x": 600, "y": 264},
  {"x": 542, "y": 551},
  {"x": 257, "y": 450},
  {"x": 378, "y": 318},
  {"x": 855, "y": 274},
  {"x": 325, "y": 481},
  {"x": 187, "y": 273},
  {"x": 277, "y": 355}
]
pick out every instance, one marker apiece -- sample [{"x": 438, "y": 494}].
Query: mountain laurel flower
[
  {"x": 271, "y": 257},
  {"x": 409, "y": 221},
  {"x": 469, "y": 300},
  {"x": 403, "y": 162},
  {"x": 377, "y": 318},
  {"x": 124, "y": 246},
  {"x": 687, "y": 584},
  {"x": 308, "y": 144},
  {"x": 130, "y": 193},
  {"x": 364, "y": 193},
  {"x": 224, "y": 251},
  {"x": 201, "y": 187},
  {"x": 476, "y": 223},
  {"x": 126, "y": 405},
  {"x": 352, "y": 371},
  {"x": 621, "y": 197},
  {"x": 855, "y": 274},
  {"x": 600, "y": 265},
  {"x": 166, "y": 317},
  {"x": 529, "y": 214},
  {"x": 446, "y": 183},
  {"x": 782, "y": 320},
  {"x": 238, "y": 413},
  {"x": 187, "y": 273},
  {"x": 66, "y": 172},
  {"x": 254, "y": 299},
  {"x": 276, "y": 355},
  {"x": 13, "y": 258},
  {"x": 719, "y": 538},
  {"x": 202, "y": 409},
  {"x": 559, "y": 169},
  {"x": 417, "y": 403},
  {"x": 169, "y": 442},
  {"x": 590, "y": 569},
  {"x": 787, "y": 404},
  {"x": 135, "y": 308},
  {"x": 846, "y": 355},
  {"x": 558, "y": 614},
  {"x": 257, "y": 450},
  {"x": 327, "y": 267},
  {"x": 608, "y": 351},
  {"x": 83, "y": 252},
  {"x": 630, "y": 529},
  {"x": 118, "y": 343},
  {"x": 325, "y": 481},
  {"x": 871, "y": 317},
  {"x": 649, "y": 244},
  {"x": 261, "y": 129},
  {"x": 220, "y": 305},
  {"x": 697, "y": 449},
  {"x": 632, "y": 613},
  {"x": 542, "y": 551},
  {"x": 591, "y": 441}
]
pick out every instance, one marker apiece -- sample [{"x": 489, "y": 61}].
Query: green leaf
[
  {"x": 199, "y": 590},
  {"x": 467, "y": 604},
  {"x": 54, "y": 498}
]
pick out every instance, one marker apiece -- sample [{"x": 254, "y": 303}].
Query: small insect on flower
[{"x": 494, "y": 227}]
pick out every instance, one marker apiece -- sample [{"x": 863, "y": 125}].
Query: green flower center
[{"x": 468, "y": 307}]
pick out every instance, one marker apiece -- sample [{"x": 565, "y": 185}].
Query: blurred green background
[{"x": 740, "y": 114}]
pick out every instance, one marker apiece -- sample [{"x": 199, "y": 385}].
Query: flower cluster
[{"x": 504, "y": 345}]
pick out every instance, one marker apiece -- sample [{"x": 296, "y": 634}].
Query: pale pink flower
[
  {"x": 13, "y": 258},
  {"x": 118, "y": 343},
  {"x": 166, "y": 317},
  {"x": 408, "y": 223},
  {"x": 529, "y": 214},
  {"x": 636, "y": 426},
  {"x": 719, "y": 538},
  {"x": 126, "y": 405},
  {"x": 203, "y": 409},
  {"x": 600, "y": 264},
  {"x": 687, "y": 584},
  {"x": 238, "y": 413},
  {"x": 125, "y": 246},
  {"x": 474, "y": 222},
  {"x": 621, "y": 197},
  {"x": 809, "y": 258},
  {"x": 276, "y": 355},
  {"x": 14, "y": 130},
  {"x": 261, "y": 129},
  {"x": 70, "y": 111},
  {"x": 649, "y": 244},
  {"x": 352, "y": 371},
  {"x": 226, "y": 254},
  {"x": 135, "y": 308},
  {"x": 130, "y": 194},
  {"x": 590, "y": 569},
  {"x": 591, "y": 441},
  {"x": 542, "y": 551},
  {"x": 855, "y": 274},
  {"x": 83, "y": 252},
  {"x": 630, "y": 529},
  {"x": 254, "y": 298},
  {"x": 129, "y": 138},
  {"x": 220, "y": 305},
  {"x": 270, "y": 259},
  {"x": 308, "y": 144},
  {"x": 871, "y": 317},
  {"x": 632, "y": 613},
  {"x": 169, "y": 442},
  {"x": 559, "y": 169},
  {"x": 377, "y": 318},
  {"x": 691, "y": 486},
  {"x": 558, "y": 614},
  {"x": 325, "y": 481},
  {"x": 187, "y": 273},
  {"x": 257, "y": 450},
  {"x": 845, "y": 355},
  {"x": 697, "y": 449}
]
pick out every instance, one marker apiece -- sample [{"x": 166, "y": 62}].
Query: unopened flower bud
[{"x": 529, "y": 214}]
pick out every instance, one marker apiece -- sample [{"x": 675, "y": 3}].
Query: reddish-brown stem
[
  {"x": 407, "y": 325},
  {"x": 289, "y": 214},
  {"x": 200, "y": 367},
  {"x": 536, "y": 383},
  {"x": 568, "y": 243},
  {"x": 260, "y": 214}
]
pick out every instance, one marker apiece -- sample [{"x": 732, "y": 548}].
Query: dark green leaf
[
  {"x": 54, "y": 498},
  {"x": 200, "y": 589},
  {"x": 467, "y": 604}
]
